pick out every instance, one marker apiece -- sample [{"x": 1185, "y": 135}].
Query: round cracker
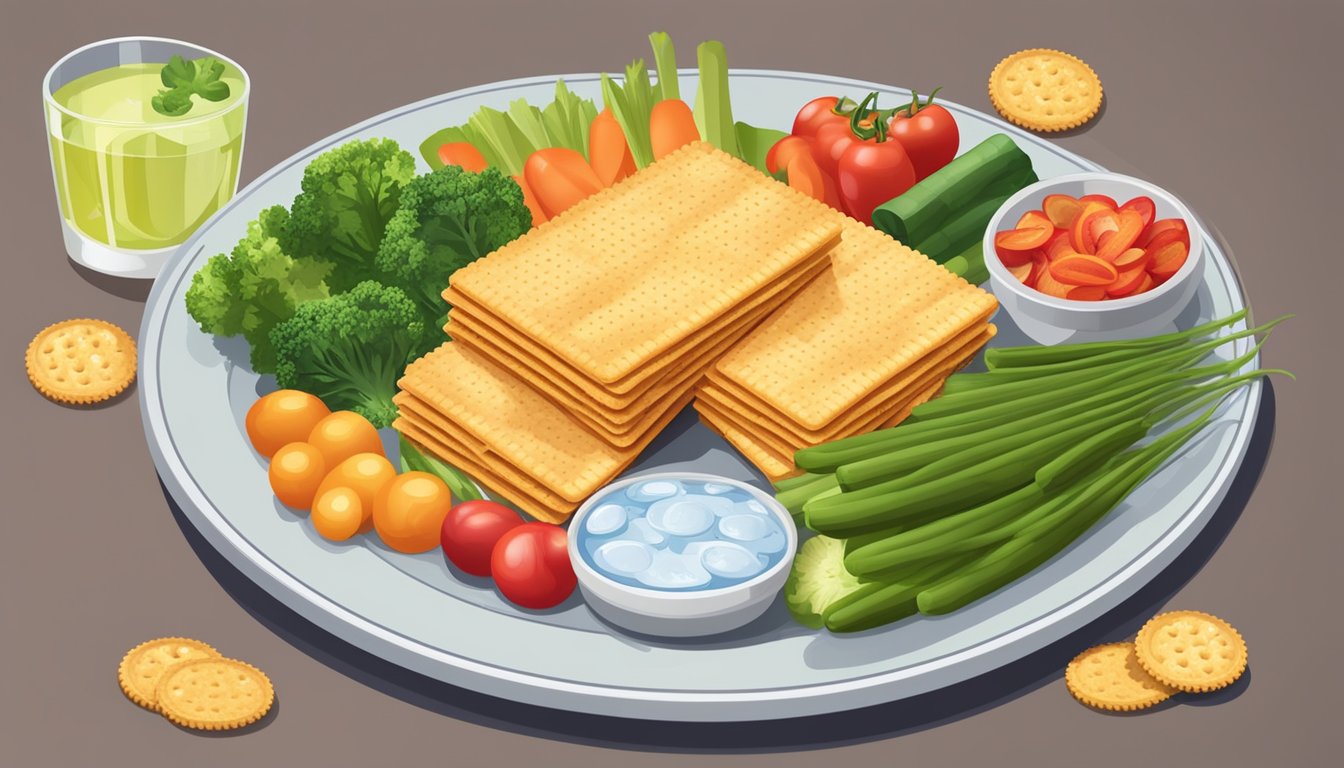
[
  {"x": 1191, "y": 651},
  {"x": 144, "y": 666},
  {"x": 1045, "y": 90},
  {"x": 215, "y": 694},
  {"x": 1110, "y": 677},
  {"x": 81, "y": 361}
]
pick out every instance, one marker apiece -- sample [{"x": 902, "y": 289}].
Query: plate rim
[{"x": 688, "y": 706}]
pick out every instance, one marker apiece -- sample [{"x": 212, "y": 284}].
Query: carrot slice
[
  {"x": 1151, "y": 231},
  {"x": 1047, "y": 284},
  {"x": 671, "y": 127},
  {"x": 1167, "y": 259},
  {"x": 1129, "y": 227},
  {"x": 1022, "y": 271},
  {"x": 1105, "y": 200},
  {"x": 1082, "y": 269},
  {"x": 1039, "y": 264},
  {"x": 1012, "y": 258},
  {"x": 1098, "y": 225},
  {"x": 1023, "y": 239},
  {"x": 559, "y": 178},
  {"x": 1131, "y": 258},
  {"x": 462, "y": 154},
  {"x": 530, "y": 200},
  {"x": 1147, "y": 285},
  {"x": 1033, "y": 219},
  {"x": 1078, "y": 232},
  {"x": 1127, "y": 282},
  {"x": 1059, "y": 245},
  {"x": 1086, "y": 293},
  {"x": 607, "y": 149},
  {"x": 1143, "y": 206},
  {"x": 1062, "y": 209}
]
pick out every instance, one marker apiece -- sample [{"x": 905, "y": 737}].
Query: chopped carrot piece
[
  {"x": 1033, "y": 219},
  {"x": 1047, "y": 284},
  {"x": 1131, "y": 258},
  {"x": 1082, "y": 269},
  {"x": 1105, "y": 200},
  {"x": 1022, "y": 271},
  {"x": 671, "y": 127},
  {"x": 1086, "y": 293},
  {"x": 1167, "y": 259},
  {"x": 607, "y": 149},
  {"x": 460, "y": 153},
  {"x": 1059, "y": 245},
  {"x": 1078, "y": 231},
  {"x": 559, "y": 178},
  {"x": 1160, "y": 226},
  {"x": 1127, "y": 282},
  {"x": 1129, "y": 227},
  {"x": 1023, "y": 239},
  {"x": 1062, "y": 209},
  {"x": 1144, "y": 206}
]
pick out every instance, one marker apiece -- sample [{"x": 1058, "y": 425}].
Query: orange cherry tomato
[
  {"x": 365, "y": 474},
  {"x": 282, "y": 417},
  {"x": 295, "y": 473},
  {"x": 338, "y": 513},
  {"x": 408, "y": 512},
  {"x": 343, "y": 434}
]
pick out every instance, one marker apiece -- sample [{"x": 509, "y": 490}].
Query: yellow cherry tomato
[
  {"x": 363, "y": 473},
  {"x": 282, "y": 417},
  {"x": 408, "y": 513},
  {"x": 296, "y": 472},
  {"x": 338, "y": 513},
  {"x": 342, "y": 435}
]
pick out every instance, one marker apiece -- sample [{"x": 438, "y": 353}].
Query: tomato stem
[{"x": 864, "y": 127}]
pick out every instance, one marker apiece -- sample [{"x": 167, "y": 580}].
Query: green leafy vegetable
[
  {"x": 631, "y": 103},
  {"x": 349, "y": 194},
  {"x": 818, "y": 581},
  {"x": 448, "y": 219},
  {"x": 505, "y": 139},
  {"x": 567, "y": 119},
  {"x": 753, "y": 143},
  {"x": 350, "y": 349},
  {"x": 713, "y": 109},
  {"x": 665, "y": 62},
  {"x": 182, "y": 78},
  {"x": 256, "y": 287},
  {"x": 462, "y": 487}
]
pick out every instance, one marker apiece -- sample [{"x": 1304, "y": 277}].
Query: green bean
[
  {"x": 794, "y": 498},
  {"x": 1090, "y": 454},
  {"x": 797, "y": 481},
  {"x": 1046, "y": 537},
  {"x": 892, "y": 601},
  {"x": 1013, "y": 357},
  {"x": 874, "y": 555}
]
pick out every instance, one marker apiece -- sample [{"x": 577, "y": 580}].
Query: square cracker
[
  {"x": 630, "y": 272},
  {"x": 936, "y": 366},
  {"x": 619, "y": 395},
  {"x": 771, "y": 463},
  {"x": 881, "y": 308},
  {"x": 513, "y": 422}
]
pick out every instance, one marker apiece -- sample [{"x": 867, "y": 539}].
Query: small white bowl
[
  {"x": 1050, "y": 320},
  {"x": 691, "y": 613}
]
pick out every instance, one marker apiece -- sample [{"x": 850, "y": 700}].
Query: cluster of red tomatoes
[
  {"x": 528, "y": 561},
  {"x": 855, "y": 157}
]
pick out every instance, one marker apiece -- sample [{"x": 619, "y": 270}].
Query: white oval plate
[{"x": 411, "y": 610}]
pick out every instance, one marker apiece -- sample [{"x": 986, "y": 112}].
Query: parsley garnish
[{"x": 182, "y": 78}]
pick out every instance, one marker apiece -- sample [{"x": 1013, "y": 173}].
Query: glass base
[{"x": 119, "y": 262}]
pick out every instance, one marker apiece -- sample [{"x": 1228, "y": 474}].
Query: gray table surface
[{"x": 1234, "y": 109}]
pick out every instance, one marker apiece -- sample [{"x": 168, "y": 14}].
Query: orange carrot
[
  {"x": 559, "y": 178},
  {"x": 530, "y": 200},
  {"x": 671, "y": 127},
  {"x": 463, "y": 154},
  {"x": 805, "y": 176},
  {"x": 1083, "y": 269},
  {"x": 608, "y": 151}
]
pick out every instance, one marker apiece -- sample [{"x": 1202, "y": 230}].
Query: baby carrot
[
  {"x": 671, "y": 127},
  {"x": 607, "y": 149},
  {"x": 559, "y": 178},
  {"x": 462, "y": 154},
  {"x": 530, "y": 200}
]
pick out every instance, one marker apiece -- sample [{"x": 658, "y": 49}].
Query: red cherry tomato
[
  {"x": 831, "y": 142},
  {"x": 928, "y": 132},
  {"x": 872, "y": 172},
  {"x": 531, "y": 565},
  {"x": 470, "y": 532},
  {"x": 816, "y": 113}
]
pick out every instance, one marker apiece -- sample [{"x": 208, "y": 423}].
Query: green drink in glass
[{"x": 142, "y": 155}]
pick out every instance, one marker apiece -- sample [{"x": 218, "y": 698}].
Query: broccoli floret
[
  {"x": 255, "y": 287},
  {"x": 448, "y": 219},
  {"x": 349, "y": 193},
  {"x": 350, "y": 349}
]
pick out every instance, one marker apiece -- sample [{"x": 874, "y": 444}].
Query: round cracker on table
[
  {"x": 1045, "y": 90},
  {"x": 1191, "y": 651},
  {"x": 215, "y": 694},
  {"x": 1110, "y": 677},
  {"x": 81, "y": 361},
  {"x": 144, "y": 666}
]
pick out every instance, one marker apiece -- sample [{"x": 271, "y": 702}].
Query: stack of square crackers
[
  {"x": 873, "y": 337},
  {"x": 576, "y": 344}
]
